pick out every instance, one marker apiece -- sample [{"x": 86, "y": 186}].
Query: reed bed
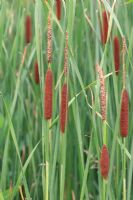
[{"x": 66, "y": 80}]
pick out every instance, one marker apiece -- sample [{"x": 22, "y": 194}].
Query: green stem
[
  {"x": 47, "y": 161},
  {"x": 104, "y": 142},
  {"x": 104, "y": 133},
  {"x": 63, "y": 163},
  {"x": 124, "y": 171},
  {"x": 104, "y": 190}
]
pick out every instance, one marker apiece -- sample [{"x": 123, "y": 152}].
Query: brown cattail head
[
  {"x": 58, "y": 9},
  {"x": 28, "y": 32},
  {"x": 66, "y": 56},
  {"x": 48, "y": 94},
  {"x": 124, "y": 114},
  {"x": 104, "y": 162},
  {"x": 104, "y": 30},
  {"x": 49, "y": 39},
  {"x": 102, "y": 92},
  {"x": 116, "y": 54},
  {"x": 63, "y": 107},
  {"x": 36, "y": 73}
]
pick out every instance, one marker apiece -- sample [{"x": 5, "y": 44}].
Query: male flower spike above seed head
[
  {"x": 124, "y": 114},
  {"x": 49, "y": 39},
  {"x": 48, "y": 94},
  {"x": 28, "y": 31},
  {"x": 102, "y": 92},
  {"x": 104, "y": 162}
]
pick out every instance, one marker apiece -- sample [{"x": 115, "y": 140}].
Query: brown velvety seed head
[
  {"x": 63, "y": 107},
  {"x": 58, "y": 9},
  {"x": 105, "y": 27},
  {"x": 48, "y": 94},
  {"x": 116, "y": 54},
  {"x": 104, "y": 162},
  {"x": 28, "y": 32},
  {"x": 36, "y": 73},
  {"x": 124, "y": 114}
]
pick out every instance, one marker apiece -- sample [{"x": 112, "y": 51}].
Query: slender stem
[
  {"x": 47, "y": 161},
  {"x": 104, "y": 133},
  {"x": 117, "y": 169},
  {"x": 104, "y": 190},
  {"x": 124, "y": 171},
  {"x": 104, "y": 142},
  {"x": 63, "y": 163}
]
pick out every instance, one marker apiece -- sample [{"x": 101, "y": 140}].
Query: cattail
[
  {"x": 104, "y": 162},
  {"x": 104, "y": 31},
  {"x": 48, "y": 96},
  {"x": 36, "y": 73},
  {"x": 124, "y": 114},
  {"x": 58, "y": 9},
  {"x": 116, "y": 54},
  {"x": 49, "y": 40},
  {"x": 63, "y": 107},
  {"x": 66, "y": 56},
  {"x": 102, "y": 92},
  {"x": 28, "y": 32}
]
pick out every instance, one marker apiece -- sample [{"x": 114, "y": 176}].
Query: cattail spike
[
  {"x": 58, "y": 9},
  {"x": 104, "y": 162},
  {"x": 116, "y": 54},
  {"x": 124, "y": 114},
  {"x": 49, "y": 39},
  {"x": 63, "y": 107},
  {"x": 66, "y": 56},
  {"x": 28, "y": 32},
  {"x": 48, "y": 96},
  {"x": 105, "y": 27},
  {"x": 36, "y": 73},
  {"x": 102, "y": 92}
]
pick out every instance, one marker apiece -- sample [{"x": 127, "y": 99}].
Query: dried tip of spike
[
  {"x": 49, "y": 39},
  {"x": 102, "y": 92},
  {"x": 63, "y": 107},
  {"x": 124, "y": 45},
  {"x": 58, "y": 9},
  {"x": 104, "y": 162},
  {"x": 124, "y": 114},
  {"x": 66, "y": 56},
  {"x": 36, "y": 73},
  {"x": 48, "y": 96},
  {"x": 116, "y": 54},
  {"x": 28, "y": 32}
]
